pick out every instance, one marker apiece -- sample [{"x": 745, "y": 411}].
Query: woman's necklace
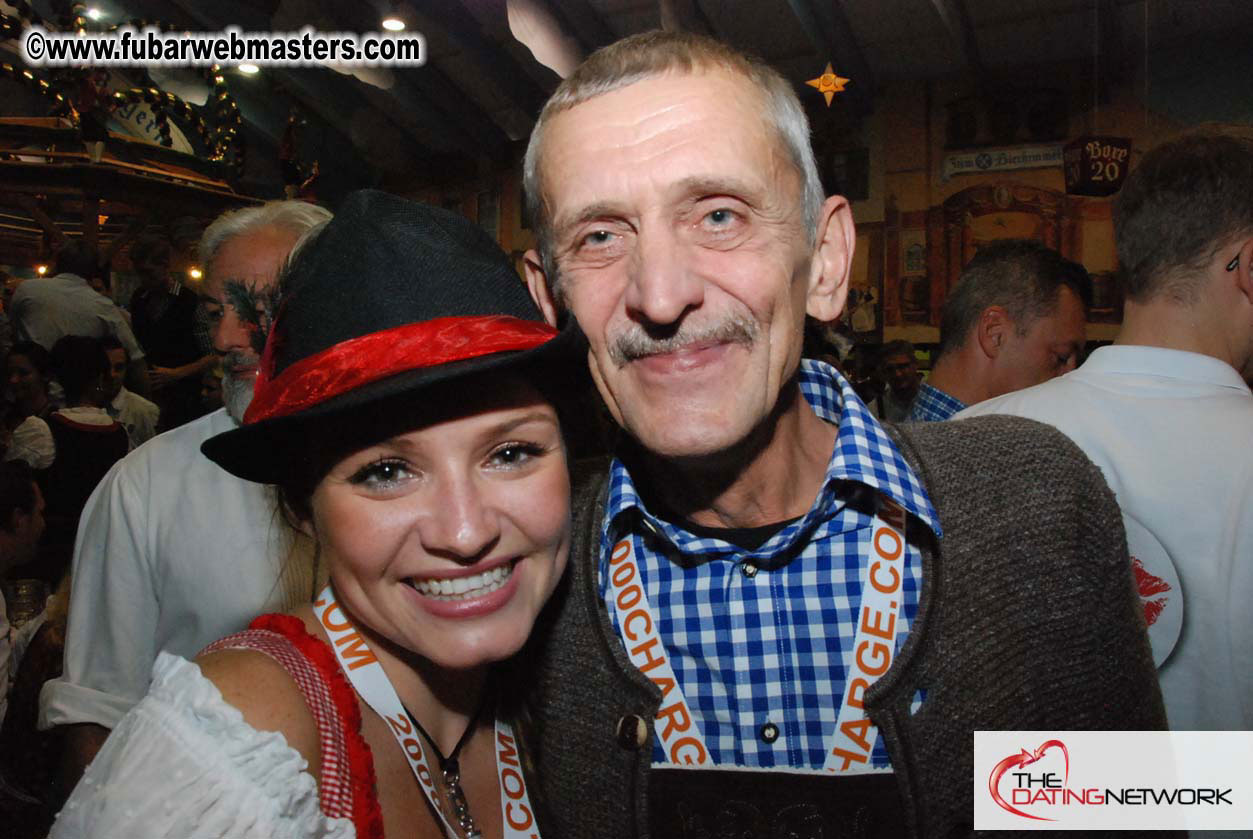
[
  {"x": 371, "y": 683},
  {"x": 451, "y": 769}
]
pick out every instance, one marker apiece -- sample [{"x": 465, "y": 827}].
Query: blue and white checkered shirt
[
  {"x": 751, "y": 649},
  {"x": 933, "y": 405}
]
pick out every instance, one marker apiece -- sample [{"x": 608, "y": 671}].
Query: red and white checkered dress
[{"x": 346, "y": 788}]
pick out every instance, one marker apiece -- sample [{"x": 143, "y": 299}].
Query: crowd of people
[{"x": 381, "y": 568}]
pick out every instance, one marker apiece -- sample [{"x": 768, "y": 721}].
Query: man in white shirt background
[
  {"x": 173, "y": 551},
  {"x": 136, "y": 414},
  {"x": 45, "y": 309},
  {"x": 1167, "y": 415}
]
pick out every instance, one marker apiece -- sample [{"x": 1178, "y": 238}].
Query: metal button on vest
[
  {"x": 632, "y": 732},
  {"x": 748, "y": 570},
  {"x": 769, "y": 732}
]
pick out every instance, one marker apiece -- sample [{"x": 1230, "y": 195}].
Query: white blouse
[{"x": 183, "y": 764}]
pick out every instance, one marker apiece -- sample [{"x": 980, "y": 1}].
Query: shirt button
[
  {"x": 769, "y": 732},
  {"x": 632, "y": 732},
  {"x": 748, "y": 570}
]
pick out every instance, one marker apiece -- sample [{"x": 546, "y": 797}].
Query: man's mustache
[
  {"x": 636, "y": 343},
  {"x": 235, "y": 359}
]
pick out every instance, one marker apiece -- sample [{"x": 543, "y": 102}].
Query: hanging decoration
[
  {"x": 1096, "y": 165},
  {"x": 81, "y": 94},
  {"x": 298, "y": 181},
  {"x": 829, "y": 84}
]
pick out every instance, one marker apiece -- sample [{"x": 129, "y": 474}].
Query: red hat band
[{"x": 368, "y": 358}]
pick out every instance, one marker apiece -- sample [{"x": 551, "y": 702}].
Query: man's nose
[
  {"x": 662, "y": 287},
  {"x": 230, "y": 332}
]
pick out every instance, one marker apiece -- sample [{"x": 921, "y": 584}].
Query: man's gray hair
[
  {"x": 1022, "y": 276},
  {"x": 294, "y": 216},
  {"x": 657, "y": 53}
]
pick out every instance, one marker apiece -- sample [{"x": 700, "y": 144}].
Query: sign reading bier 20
[{"x": 1096, "y": 165}]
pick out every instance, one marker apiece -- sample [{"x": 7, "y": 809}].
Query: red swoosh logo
[{"x": 1024, "y": 758}]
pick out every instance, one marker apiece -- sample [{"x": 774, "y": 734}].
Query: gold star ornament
[{"x": 828, "y": 84}]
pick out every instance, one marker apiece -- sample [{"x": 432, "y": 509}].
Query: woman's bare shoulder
[{"x": 267, "y": 696}]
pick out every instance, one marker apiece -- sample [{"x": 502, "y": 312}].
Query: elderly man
[
  {"x": 173, "y": 552},
  {"x": 1166, "y": 415},
  {"x": 1015, "y": 318},
  {"x": 771, "y": 621}
]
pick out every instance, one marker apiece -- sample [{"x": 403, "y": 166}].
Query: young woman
[{"x": 402, "y": 410}]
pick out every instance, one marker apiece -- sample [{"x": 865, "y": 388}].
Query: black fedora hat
[{"x": 389, "y": 297}]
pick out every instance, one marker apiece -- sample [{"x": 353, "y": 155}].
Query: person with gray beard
[{"x": 173, "y": 551}]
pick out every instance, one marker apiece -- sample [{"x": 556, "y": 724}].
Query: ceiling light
[
  {"x": 194, "y": 273},
  {"x": 249, "y": 69},
  {"x": 392, "y": 21},
  {"x": 94, "y": 13}
]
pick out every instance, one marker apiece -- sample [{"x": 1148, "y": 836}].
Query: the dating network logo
[
  {"x": 1118, "y": 780},
  {"x": 1024, "y": 779}
]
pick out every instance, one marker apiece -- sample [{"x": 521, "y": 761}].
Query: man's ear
[
  {"x": 1244, "y": 269},
  {"x": 537, "y": 284},
  {"x": 832, "y": 260},
  {"x": 992, "y": 330}
]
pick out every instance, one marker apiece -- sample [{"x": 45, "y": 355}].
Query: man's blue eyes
[
  {"x": 722, "y": 217},
  {"x": 599, "y": 237}
]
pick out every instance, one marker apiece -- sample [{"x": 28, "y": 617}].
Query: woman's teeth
[{"x": 465, "y": 588}]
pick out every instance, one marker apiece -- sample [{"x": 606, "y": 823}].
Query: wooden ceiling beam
[
  {"x": 496, "y": 63},
  {"x": 584, "y": 22},
  {"x": 961, "y": 33}
]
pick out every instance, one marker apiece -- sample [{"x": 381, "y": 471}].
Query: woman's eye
[
  {"x": 380, "y": 474},
  {"x": 515, "y": 454}
]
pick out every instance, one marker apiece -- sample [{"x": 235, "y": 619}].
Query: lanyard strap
[
  {"x": 372, "y": 685},
  {"x": 872, "y": 653},
  {"x": 676, "y": 727},
  {"x": 874, "y": 644}
]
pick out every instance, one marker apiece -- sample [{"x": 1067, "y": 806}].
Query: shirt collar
[
  {"x": 1162, "y": 361},
  {"x": 934, "y": 405},
  {"x": 863, "y": 455},
  {"x": 87, "y": 415}
]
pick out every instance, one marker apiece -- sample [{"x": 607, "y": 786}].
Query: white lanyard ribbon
[
  {"x": 872, "y": 653},
  {"x": 371, "y": 684},
  {"x": 675, "y": 725},
  {"x": 874, "y": 644}
]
